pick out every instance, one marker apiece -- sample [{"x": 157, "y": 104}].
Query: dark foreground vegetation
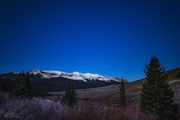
[{"x": 42, "y": 109}]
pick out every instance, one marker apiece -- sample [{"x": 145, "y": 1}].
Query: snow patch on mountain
[
  {"x": 75, "y": 78},
  {"x": 74, "y": 75}
]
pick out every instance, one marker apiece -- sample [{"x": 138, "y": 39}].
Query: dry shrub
[{"x": 40, "y": 109}]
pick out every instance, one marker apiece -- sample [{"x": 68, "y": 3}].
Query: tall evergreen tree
[
  {"x": 28, "y": 88},
  {"x": 178, "y": 75},
  {"x": 22, "y": 86},
  {"x": 70, "y": 96},
  {"x": 6, "y": 85},
  {"x": 122, "y": 94},
  {"x": 157, "y": 96}
]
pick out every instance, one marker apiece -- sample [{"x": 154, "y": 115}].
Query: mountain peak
[
  {"x": 76, "y": 73},
  {"x": 35, "y": 71}
]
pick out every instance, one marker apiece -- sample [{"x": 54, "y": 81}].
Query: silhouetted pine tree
[
  {"x": 22, "y": 86},
  {"x": 6, "y": 85},
  {"x": 178, "y": 75},
  {"x": 28, "y": 88},
  {"x": 122, "y": 94},
  {"x": 157, "y": 96},
  {"x": 70, "y": 96}
]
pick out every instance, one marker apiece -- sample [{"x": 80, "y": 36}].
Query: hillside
[
  {"x": 173, "y": 78},
  {"x": 174, "y": 73}
]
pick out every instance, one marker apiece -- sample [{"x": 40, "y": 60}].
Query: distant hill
[
  {"x": 174, "y": 73},
  {"x": 173, "y": 77}
]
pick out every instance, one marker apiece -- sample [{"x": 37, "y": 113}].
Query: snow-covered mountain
[
  {"x": 46, "y": 74},
  {"x": 54, "y": 81}
]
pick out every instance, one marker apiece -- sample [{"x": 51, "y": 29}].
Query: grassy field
[{"x": 110, "y": 94}]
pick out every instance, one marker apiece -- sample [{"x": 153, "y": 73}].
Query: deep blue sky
[{"x": 114, "y": 38}]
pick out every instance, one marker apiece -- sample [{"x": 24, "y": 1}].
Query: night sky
[{"x": 113, "y": 38}]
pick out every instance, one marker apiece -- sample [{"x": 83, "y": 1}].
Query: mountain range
[
  {"x": 47, "y": 74},
  {"x": 51, "y": 80}
]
